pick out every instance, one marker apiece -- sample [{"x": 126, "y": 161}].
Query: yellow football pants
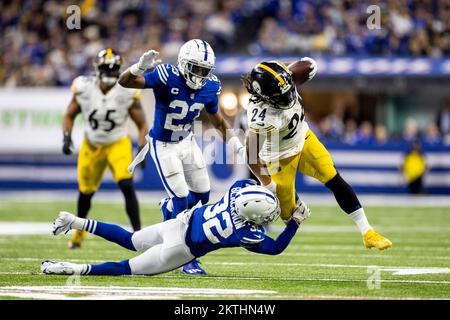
[
  {"x": 314, "y": 161},
  {"x": 93, "y": 161}
]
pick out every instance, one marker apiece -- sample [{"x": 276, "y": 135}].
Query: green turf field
[{"x": 326, "y": 260}]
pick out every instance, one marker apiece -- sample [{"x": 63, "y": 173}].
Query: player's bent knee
[{"x": 178, "y": 186}]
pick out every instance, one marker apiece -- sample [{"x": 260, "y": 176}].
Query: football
[{"x": 300, "y": 71}]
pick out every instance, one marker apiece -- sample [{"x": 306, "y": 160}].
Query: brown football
[{"x": 300, "y": 71}]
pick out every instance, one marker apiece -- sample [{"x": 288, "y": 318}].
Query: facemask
[{"x": 110, "y": 81}]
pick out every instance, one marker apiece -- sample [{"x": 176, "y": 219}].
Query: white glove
[
  {"x": 313, "y": 66},
  {"x": 237, "y": 147},
  {"x": 272, "y": 186},
  {"x": 301, "y": 212},
  {"x": 146, "y": 61}
]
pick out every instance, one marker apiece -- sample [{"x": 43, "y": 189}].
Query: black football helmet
[
  {"x": 271, "y": 82},
  {"x": 107, "y": 66}
]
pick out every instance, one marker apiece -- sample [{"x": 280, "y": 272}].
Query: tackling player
[
  {"x": 106, "y": 108},
  {"x": 181, "y": 93},
  {"x": 276, "y": 121},
  {"x": 233, "y": 221}
]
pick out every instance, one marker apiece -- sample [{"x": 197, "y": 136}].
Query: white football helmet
[
  {"x": 196, "y": 61},
  {"x": 257, "y": 204}
]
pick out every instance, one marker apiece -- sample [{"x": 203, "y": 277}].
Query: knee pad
[
  {"x": 195, "y": 197},
  {"x": 177, "y": 186}
]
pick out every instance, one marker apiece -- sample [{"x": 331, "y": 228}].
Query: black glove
[
  {"x": 143, "y": 164},
  {"x": 67, "y": 144}
]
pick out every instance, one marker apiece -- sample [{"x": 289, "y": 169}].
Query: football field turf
[{"x": 326, "y": 259}]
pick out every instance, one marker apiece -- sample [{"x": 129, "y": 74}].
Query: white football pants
[
  {"x": 163, "y": 246},
  {"x": 181, "y": 166}
]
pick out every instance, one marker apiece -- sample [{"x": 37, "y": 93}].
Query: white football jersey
[
  {"x": 285, "y": 130},
  {"x": 105, "y": 115}
]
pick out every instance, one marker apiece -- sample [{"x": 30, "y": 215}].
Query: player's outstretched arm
[
  {"x": 133, "y": 76},
  {"x": 69, "y": 117},
  {"x": 274, "y": 247},
  {"x": 277, "y": 246}
]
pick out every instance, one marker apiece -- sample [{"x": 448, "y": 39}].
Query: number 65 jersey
[
  {"x": 284, "y": 130},
  {"x": 105, "y": 115}
]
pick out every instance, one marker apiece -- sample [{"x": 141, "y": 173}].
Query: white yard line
[{"x": 119, "y": 293}]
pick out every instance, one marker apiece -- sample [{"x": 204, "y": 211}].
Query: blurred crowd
[
  {"x": 37, "y": 48},
  {"x": 346, "y": 129}
]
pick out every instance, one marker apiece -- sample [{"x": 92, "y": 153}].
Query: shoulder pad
[
  {"x": 80, "y": 83},
  {"x": 163, "y": 70},
  {"x": 214, "y": 85}
]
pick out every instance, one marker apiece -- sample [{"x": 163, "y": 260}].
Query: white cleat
[
  {"x": 63, "y": 223},
  {"x": 56, "y": 267}
]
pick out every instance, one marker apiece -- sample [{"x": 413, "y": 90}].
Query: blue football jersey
[
  {"x": 177, "y": 105},
  {"x": 218, "y": 226}
]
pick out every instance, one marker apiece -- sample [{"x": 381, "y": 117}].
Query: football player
[
  {"x": 286, "y": 144},
  {"x": 233, "y": 221},
  {"x": 106, "y": 108},
  {"x": 181, "y": 93}
]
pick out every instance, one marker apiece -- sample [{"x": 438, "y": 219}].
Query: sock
[
  {"x": 179, "y": 204},
  {"x": 131, "y": 203},
  {"x": 361, "y": 221},
  {"x": 195, "y": 197},
  {"x": 110, "y": 232},
  {"x": 107, "y": 268},
  {"x": 84, "y": 204}
]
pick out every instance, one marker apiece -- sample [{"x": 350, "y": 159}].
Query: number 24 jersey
[{"x": 284, "y": 130}]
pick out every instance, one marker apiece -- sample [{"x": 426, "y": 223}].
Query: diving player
[
  {"x": 276, "y": 120},
  {"x": 181, "y": 93},
  {"x": 233, "y": 221},
  {"x": 106, "y": 108}
]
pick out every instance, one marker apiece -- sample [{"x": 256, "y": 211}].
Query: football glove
[
  {"x": 301, "y": 212},
  {"x": 67, "y": 144},
  {"x": 146, "y": 61},
  {"x": 313, "y": 66}
]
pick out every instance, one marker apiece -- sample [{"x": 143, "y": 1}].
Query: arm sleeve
[
  {"x": 156, "y": 77},
  {"x": 274, "y": 247}
]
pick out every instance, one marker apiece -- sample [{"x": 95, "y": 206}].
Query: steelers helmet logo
[{"x": 256, "y": 87}]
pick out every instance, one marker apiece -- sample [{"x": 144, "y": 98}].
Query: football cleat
[
  {"x": 193, "y": 267},
  {"x": 373, "y": 239},
  {"x": 56, "y": 267},
  {"x": 165, "y": 206},
  {"x": 77, "y": 237},
  {"x": 63, "y": 223}
]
